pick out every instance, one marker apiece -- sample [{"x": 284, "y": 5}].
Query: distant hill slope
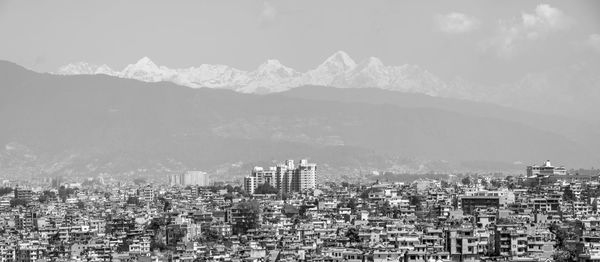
[
  {"x": 586, "y": 134},
  {"x": 91, "y": 124}
]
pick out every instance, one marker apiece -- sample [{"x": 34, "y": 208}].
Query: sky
[{"x": 485, "y": 41}]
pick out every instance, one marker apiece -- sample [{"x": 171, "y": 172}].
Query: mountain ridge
[
  {"x": 92, "y": 124},
  {"x": 573, "y": 87}
]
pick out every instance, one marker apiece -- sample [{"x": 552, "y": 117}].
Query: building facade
[
  {"x": 545, "y": 170},
  {"x": 286, "y": 177},
  {"x": 190, "y": 178}
]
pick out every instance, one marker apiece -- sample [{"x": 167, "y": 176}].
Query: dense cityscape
[{"x": 281, "y": 213}]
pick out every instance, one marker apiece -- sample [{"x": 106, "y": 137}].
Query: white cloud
[
  {"x": 456, "y": 23},
  {"x": 268, "y": 14},
  {"x": 518, "y": 31},
  {"x": 593, "y": 41}
]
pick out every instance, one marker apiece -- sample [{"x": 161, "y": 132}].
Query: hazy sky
[{"x": 491, "y": 41}]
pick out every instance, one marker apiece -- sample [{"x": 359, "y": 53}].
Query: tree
[
  {"x": 466, "y": 181},
  {"x": 415, "y": 200},
  {"x": 485, "y": 183},
  {"x": 595, "y": 205},
  {"x": 568, "y": 194},
  {"x": 564, "y": 252},
  {"x": 352, "y": 203},
  {"x": 64, "y": 192},
  {"x": 365, "y": 194},
  {"x": 455, "y": 202},
  {"x": 133, "y": 200},
  {"x": 444, "y": 184},
  {"x": 211, "y": 235},
  {"x": 496, "y": 183},
  {"x": 18, "y": 202},
  {"x": 5, "y": 191},
  {"x": 139, "y": 181},
  {"x": 386, "y": 208},
  {"x": 46, "y": 196},
  {"x": 248, "y": 213},
  {"x": 266, "y": 189},
  {"x": 155, "y": 245},
  {"x": 80, "y": 205},
  {"x": 352, "y": 235}
]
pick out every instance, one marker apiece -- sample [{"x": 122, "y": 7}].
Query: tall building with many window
[
  {"x": 286, "y": 177},
  {"x": 545, "y": 170},
  {"x": 190, "y": 178}
]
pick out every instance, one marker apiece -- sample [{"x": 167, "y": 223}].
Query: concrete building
[
  {"x": 286, "y": 177},
  {"x": 545, "y": 170},
  {"x": 464, "y": 245},
  {"x": 23, "y": 193},
  {"x": 190, "y": 178},
  {"x": 471, "y": 203},
  {"x": 510, "y": 240}
]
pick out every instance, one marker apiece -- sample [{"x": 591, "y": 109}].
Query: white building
[
  {"x": 190, "y": 178},
  {"x": 285, "y": 177},
  {"x": 545, "y": 170}
]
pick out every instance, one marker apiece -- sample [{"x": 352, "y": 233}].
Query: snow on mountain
[
  {"x": 338, "y": 70},
  {"x": 271, "y": 77},
  {"x": 147, "y": 71},
  {"x": 83, "y": 68},
  {"x": 334, "y": 67},
  {"x": 369, "y": 73},
  {"x": 213, "y": 76},
  {"x": 414, "y": 79}
]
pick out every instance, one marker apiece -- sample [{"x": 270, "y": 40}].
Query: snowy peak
[
  {"x": 338, "y": 70},
  {"x": 274, "y": 67},
  {"x": 145, "y": 62},
  {"x": 83, "y": 68},
  {"x": 147, "y": 71},
  {"x": 340, "y": 59}
]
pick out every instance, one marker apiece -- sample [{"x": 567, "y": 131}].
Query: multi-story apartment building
[
  {"x": 146, "y": 193},
  {"x": 463, "y": 244},
  {"x": 190, "y": 178},
  {"x": 545, "y": 170},
  {"x": 510, "y": 240},
  {"x": 23, "y": 193},
  {"x": 286, "y": 177},
  {"x": 470, "y": 203}
]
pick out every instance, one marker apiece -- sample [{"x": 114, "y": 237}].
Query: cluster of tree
[
  {"x": 466, "y": 181},
  {"x": 249, "y": 211},
  {"x": 210, "y": 235},
  {"x": 46, "y": 196},
  {"x": 132, "y": 200},
  {"x": 166, "y": 204},
  {"x": 568, "y": 194},
  {"x": 568, "y": 231},
  {"x": 266, "y": 189},
  {"x": 5, "y": 191},
  {"x": 365, "y": 193},
  {"x": 415, "y": 200},
  {"x": 139, "y": 181},
  {"x": 157, "y": 245},
  {"x": 18, "y": 202},
  {"x": 229, "y": 188},
  {"x": 352, "y": 235},
  {"x": 64, "y": 193},
  {"x": 90, "y": 182},
  {"x": 348, "y": 203}
]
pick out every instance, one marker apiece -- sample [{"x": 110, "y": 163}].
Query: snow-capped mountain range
[{"x": 339, "y": 70}]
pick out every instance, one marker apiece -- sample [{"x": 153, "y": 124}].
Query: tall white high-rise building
[
  {"x": 190, "y": 178},
  {"x": 285, "y": 177}
]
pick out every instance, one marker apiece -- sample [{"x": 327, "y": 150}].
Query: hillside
[{"x": 91, "y": 124}]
